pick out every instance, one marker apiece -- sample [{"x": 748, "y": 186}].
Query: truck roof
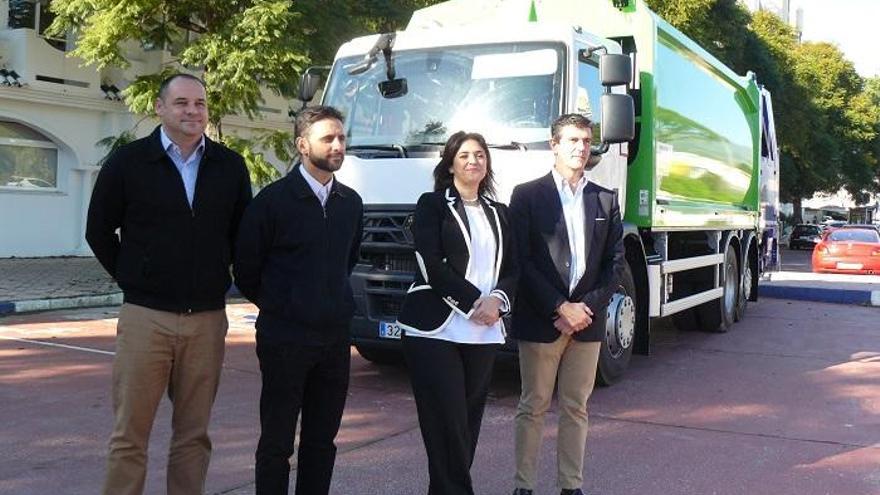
[{"x": 432, "y": 37}]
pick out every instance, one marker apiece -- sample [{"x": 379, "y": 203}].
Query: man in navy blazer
[{"x": 569, "y": 237}]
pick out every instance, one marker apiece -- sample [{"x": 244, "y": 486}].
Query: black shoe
[
  {"x": 569, "y": 491},
  {"x": 522, "y": 491}
]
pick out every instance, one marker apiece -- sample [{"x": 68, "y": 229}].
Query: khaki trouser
[
  {"x": 158, "y": 351},
  {"x": 574, "y": 364}
]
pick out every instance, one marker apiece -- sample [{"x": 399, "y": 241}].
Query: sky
[{"x": 853, "y": 25}]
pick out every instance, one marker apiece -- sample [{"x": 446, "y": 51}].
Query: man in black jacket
[
  {"x": 569, "y": 234},
  {"x": 177, "y": 198},
  {"x": 297, "y": 245}
]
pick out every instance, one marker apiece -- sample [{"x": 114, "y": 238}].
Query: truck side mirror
[
  {"x": 615, "y": 70},
  {"x": 618, "y": 118},
  {"x": 308, "y": 86}
]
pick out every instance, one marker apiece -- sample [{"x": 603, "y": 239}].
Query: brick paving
[{"x": 23, "y": 279}]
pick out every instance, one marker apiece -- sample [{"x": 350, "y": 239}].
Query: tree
[{"x": 240, "y": 47}]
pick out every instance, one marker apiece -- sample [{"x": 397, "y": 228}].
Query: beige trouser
[
  {"x": 158, "y": 351},
  {"x": 574, "y": 364}
]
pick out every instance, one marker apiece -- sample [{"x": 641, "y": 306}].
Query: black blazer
[
  {"x": 171, "y": 257},
  {"x": 442, "y": 242},
  {"x": 542, "y": 243}
]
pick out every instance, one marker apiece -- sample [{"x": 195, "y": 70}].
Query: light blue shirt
[
  {"x": 573, "y": 211},
  {"x": 188, "y": 167}
]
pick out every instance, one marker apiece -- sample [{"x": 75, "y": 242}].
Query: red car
[{"x": 848, "y": 251}]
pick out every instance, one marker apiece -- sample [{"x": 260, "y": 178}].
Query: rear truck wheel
[
  {"x": 379, "y": 355},
  {"x": 718, "y": 315},
  {"x": 620, "y": 331},
  {"x": 749, "y": 285}
]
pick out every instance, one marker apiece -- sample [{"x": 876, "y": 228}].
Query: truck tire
[
  {"x": 620, "y": 331},
  {"x": 718, "y": 315},
  {"x": 748, "y": 282},
  {"x": 378, "y": 355}
]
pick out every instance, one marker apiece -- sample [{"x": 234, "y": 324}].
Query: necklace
[{"x": 471, "y": 202}]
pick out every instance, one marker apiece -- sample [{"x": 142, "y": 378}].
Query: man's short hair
[
  {"x": 308, "y": 116},
  {"x": 565, "y": 120},
  {"x": 163, "y": 86}
]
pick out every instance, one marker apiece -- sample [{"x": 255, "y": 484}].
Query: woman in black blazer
[{"x": 451, "y": 316}]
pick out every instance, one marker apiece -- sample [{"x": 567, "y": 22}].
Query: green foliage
[
  {"x": 112, "y": 143},
  {"x": 261, "y": 170}
]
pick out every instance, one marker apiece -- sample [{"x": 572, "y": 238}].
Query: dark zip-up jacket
[
  {"x": 168, "y": 256},
  {"x": 293, "y": 259}
]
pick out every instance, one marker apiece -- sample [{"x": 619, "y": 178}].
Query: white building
[{"x": 53, "y": 111}]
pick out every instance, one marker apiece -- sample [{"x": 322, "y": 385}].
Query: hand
[
  {"x": 563, "y": 327},
  {"x": 487, "y": 311},
  {"x": 574, "y": 316}
]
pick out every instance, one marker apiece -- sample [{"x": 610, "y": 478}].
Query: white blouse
[{"x": 482, "y": 273}]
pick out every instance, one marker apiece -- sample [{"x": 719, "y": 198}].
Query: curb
[
  {"x": 27, "y": 306},
  {"x": 115, "y": 299},
  {"x": 821, "y": 294},
  {"x": 816, "y": 294}
]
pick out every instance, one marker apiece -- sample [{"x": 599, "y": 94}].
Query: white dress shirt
[
  {"x": 322, "y": 191},
  {"x": 573, "y": 211},
  {"x": 188, "y": 167}
]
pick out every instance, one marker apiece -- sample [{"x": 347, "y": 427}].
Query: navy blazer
[
  {"x": 545, "y": 258},
  {"x": 443, "y": 252}
]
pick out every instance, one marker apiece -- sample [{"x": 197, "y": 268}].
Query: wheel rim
[
  {"x": 620, "y": 327},
  {"x": 747, "y": 283},
  {"x": 730, "y": 284}
]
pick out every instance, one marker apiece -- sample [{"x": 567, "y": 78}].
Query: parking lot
[{"x": 787, "y": 402}]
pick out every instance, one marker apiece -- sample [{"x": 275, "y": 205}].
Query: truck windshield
[{"x": 509, "y": 93}]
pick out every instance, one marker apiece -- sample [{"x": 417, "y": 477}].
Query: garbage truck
[{"x": 688, "y": 144}]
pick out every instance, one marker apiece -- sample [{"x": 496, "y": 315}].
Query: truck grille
[
  {"x": 387, "y": 243},
  {"x": 388, "y": 306},
  {"x": 398, "y": 262},
  {"x": 388, "y": 227}
]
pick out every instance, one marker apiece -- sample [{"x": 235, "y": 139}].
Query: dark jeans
[
  {"x": 311, "y": 379},
  {"x": 450, "y": 383}
]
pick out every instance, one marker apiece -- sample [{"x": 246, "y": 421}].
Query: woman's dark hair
[{"x": 443, "y": 178}]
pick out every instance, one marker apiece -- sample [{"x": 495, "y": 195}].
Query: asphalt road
[
  {"x": 787, "y": 402},
  {"x": 796, "y": 260}
]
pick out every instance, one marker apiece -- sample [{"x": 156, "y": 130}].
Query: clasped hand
[
  {"x": 573, "y": 317},
  {"x": 487, "y": 311}
]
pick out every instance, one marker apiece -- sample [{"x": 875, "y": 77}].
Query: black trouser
[
  {"x": 450, "y": 383},
  {"x": 311, "y": 379}
]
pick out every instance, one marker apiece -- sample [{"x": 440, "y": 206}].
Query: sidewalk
[{"x": 40, "y": 284}]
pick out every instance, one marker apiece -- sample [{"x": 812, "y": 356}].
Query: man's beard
[{"x": 326, "y": 164}]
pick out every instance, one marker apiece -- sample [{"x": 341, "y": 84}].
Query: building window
[
  {"x": 34, "y": 14},
  {"x": 28, "y": 159}
]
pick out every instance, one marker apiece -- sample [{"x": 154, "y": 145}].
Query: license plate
[
  {"x": 848, "y": 266},
  {"x": 389, "y": 330}
]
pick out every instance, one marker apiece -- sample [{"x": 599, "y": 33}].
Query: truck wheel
[
  {"x": 378, "y": 355},
  {"x": 620, "y": 331},
  {"x": 718, "y": 315},
  {"x": 748, "y": 283}
]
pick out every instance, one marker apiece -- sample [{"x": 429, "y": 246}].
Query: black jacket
[
  {"x": 542, "y": 242},
  {"x": 293, "y": 260},
  {"x": 441, "y": 233},
  {"x": 170, "y": 257}
]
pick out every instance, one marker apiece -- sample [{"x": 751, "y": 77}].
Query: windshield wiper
[
  {"x": 378, "y": 150},
  {"x": 513, "y": 145}
]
